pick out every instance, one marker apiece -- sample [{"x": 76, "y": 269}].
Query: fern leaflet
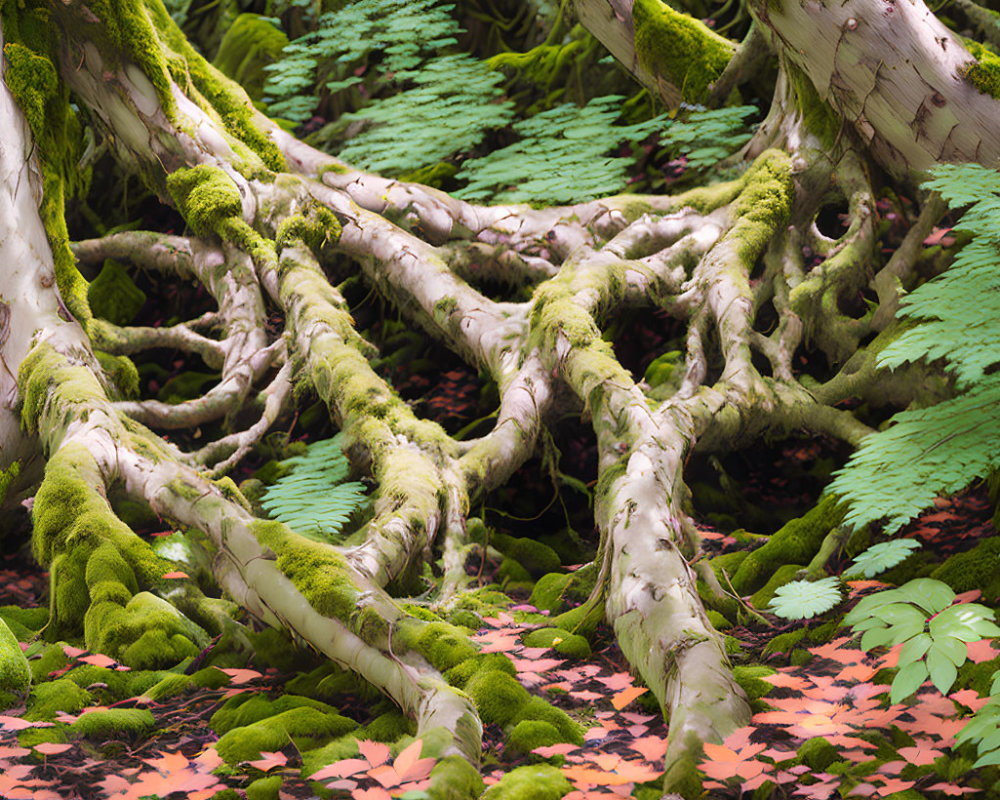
[{"x": 315, "y": 499}]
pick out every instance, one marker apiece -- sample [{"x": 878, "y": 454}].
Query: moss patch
[
  {"x": 538, "y": 782},
  {"x": 205, "y": 196},
  {"x": 978, "y": 568},
  {"x": 306, "y": 727},
  {"x": 529, "y": 734},
  {"x": 15, "y": 674},
  {"x": 114, "y": 723},
  {"x": 249, "y": 45},
  {"x": 561, "y": 641},
  {"x": 113, "y": 294},
  {"x": 681, "y": 50}
]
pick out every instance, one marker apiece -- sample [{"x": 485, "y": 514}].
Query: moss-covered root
[{"x": 797, "y": 542}]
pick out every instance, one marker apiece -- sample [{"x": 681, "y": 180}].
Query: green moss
[
  {"x": 113, "y": 294},
  {"x": 33, "y": 81},
  {"x": 818, "y": 116},
  {"x": 796, "y": 542},
  {"x": 460, "y": 674},
  {"x": 275, "y": 648},
  {"x": 583, "y": 619},
  {"x": 984, "y": 72},
  {"x": 15, "y": 674},
  {"x": 31, "y": 737},
  {"x": 264, "y": 788},
  {"x": 782, "y": 575},
  {"x": 122, "y": 373},
  {"x": 536, "y": 782},
  {"x": 719, "y": 621},
  {"x": 27, "y": 620},
  {"x": 389, "y": 727},
  {"x": 750, "y": 678},
  {"x": 169, "y": 687},
  {"x": 249, "y": 45},
  {"x": 497, "y": 695},
  {"x": 537, "y": 558},
  {"x": 147, "y": 632},
  {"x": 107, "y": 684},
  {"x": 51, "y": 660},
  {"x": 50, "y": 698},
  {"x": 222, "y": 95},
  {"x": 511, "y": 572},
  {"x": 318, "y": 572},
  {"x": 681, "y": 50},
  {"x": 306, "y": 727},
  {"x": 764, "y": 204},
  {"x": 247, "y": 708},
  {"x": 316, "y": 229},
  {"x": 114, "y": 723},
  {"x": 210, "y": 678},
  {"x": 561, "y": 641},
  {"x": 49, "y": 383},
  {"x": 538, "y": 709},
  {"x": 454, "y": 778},
  {"x": 205, "y": 196},
  {"x": 818, "y": 753},
  {"x": 529, "y": 734},
  {"x": 978, "y": 568},
  {"x": 443, "y": 645}
]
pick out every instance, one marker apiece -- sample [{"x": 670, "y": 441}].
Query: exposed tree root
[{"x": 271, "y": 220}]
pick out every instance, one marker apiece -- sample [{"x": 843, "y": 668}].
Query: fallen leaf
[
  {"x": 341, "y": 769},
  {"x": 623, "y": 698},
  {"x": 51, "y": 748},
  {"x": 376, "y": 753},
  {"x": 269, "y": 761},
  {"x": 98, "y": 660},
  {"x": 175, "y": 574},
  {"x": 240, "y": 676}
]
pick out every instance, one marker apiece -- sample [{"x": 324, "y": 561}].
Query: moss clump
[
  {"x": 537, "y": 558},
  {"x": 984, "y": 72},
  {"x": 146, "y": 632},
  {"x": 33, "y": 81},
  {"x": 306, "y": 727},
  {"x": 561, "y": 641},
  {"x": 537, "y": 782},
  {"x": 48, "y": 699},
  {"x": 679, "y": 49},
  {"x": 460, "y": 674},
  {"x": 797, "y": 541},
  {"x": 113, "y": 294},
  {"x": 169, "y": 687},
  {"x": 210, "y": 678},
  {"x": 205, "y": 196},
  {"x": 497, "y": 695},
  {"x": 537, "y": 709},
  {"x": 316, "y": 229},
  {"x": 122, "y": 373},
  {"x": 318, "y": 572},
  {"x": 529, "y": 734},
  {"x": 974, "y": 569},
  {"x": 750, "y": 678},
  {"x": 251, "y": 43},
  {"x": 388, "y": 727},
  {"x": 114, "y": 723},
  {"x": 246, "y": 709},
  {"x": 444, "y": 645},
  {"x": 454, "y": 778},
  {"x": 556, "y": 591},
  {"x": 53, "y": 658},
  {"x": 818, "y": 753},
  {"x": 512, "y": 574},
  {"x": 15, "y": 674},
  {"x": 264, "y": 788}
]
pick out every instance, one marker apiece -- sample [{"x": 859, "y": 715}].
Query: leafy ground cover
[{"x": 823, "y": 726}]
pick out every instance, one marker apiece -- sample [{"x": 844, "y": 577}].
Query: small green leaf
[
  {"x": 941, "y": 669},
  {"x": 877, "y": 637},
  {"x": 953, "y": 649},
  {"x": 805, "y": 599},
  {"x": 931, "y": 595},
  {"x": 914, "y": 649},
  {"x": 880, "y": 557},
  {"x": 907, "y": 681}
]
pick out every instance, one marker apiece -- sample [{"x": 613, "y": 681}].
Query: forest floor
[{"x": 824, "y": 689}]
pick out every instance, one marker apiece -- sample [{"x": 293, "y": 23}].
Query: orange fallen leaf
[
  {"x": 51, "y": 748},
  {"x": 623, "y": 698},
  {"x": 376, "y": 753},
  {"x": 174, "y": 574}
]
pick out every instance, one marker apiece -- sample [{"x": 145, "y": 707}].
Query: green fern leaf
[
  {"x": 805, "y": 599},
  {"x": 880, "y": 557},
  {"x": 314, "y": 499}
]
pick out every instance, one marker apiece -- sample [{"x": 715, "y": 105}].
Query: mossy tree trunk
[{"x": 268, "y": 216}]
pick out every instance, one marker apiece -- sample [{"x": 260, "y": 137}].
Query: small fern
[
  {"x": 805, "y": 599},
  {"x": 315, "y": 499},
  {"x": 880, "y": 557},
  {"x": 706, "y": 136},
  {"x": 926, "y": 452},
  {"x": 562, "y": 156}
]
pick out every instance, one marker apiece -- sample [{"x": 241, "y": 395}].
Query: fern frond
[
  {"x": 898, "y": 472},
  {"x": 314, "y": 499},
  {"x": 562, "y": 156}
]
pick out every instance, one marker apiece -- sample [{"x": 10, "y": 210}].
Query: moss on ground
[{"x": 536, "y": 782}]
